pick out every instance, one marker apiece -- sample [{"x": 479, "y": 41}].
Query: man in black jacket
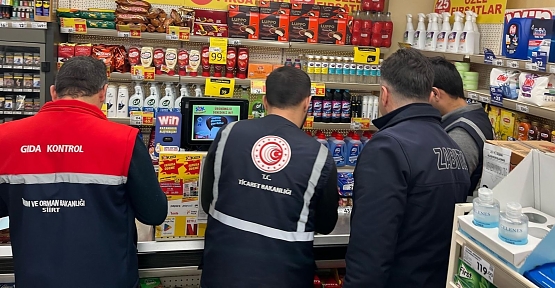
[{"x": 407, "y": 181}]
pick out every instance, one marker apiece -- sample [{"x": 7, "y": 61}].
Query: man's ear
[
  {"x": 384, "y": 96},
  {"x": 435, "y": 95},
  {"x": 53, "y": 93}
]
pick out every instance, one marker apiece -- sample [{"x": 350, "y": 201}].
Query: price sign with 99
[{"x": 218, "y": 50}]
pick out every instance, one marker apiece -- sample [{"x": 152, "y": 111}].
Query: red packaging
[
  {"x": 274, "y": 27},
  {"x": 357, "y": 29},
  {"x": 205, "y": 61},
  {"x": 134, "y": 56},
  {"x": 243, "y": 24},
  {"x": 334, "y": 12},
  {"x": 159, "y": 59},
  {"x": 376, "y": 38},
  {"x": 210, "y": 16},
  {"x": 104, "y": 53},
  {"x": 65, "y": 51},
  {"x": 242, "y": 62},
  {"x": 218, "y": 68},
  {"x": 119, "y": 60},
  {"x": 387, "y": 31},
  {"x": 366, "y": 31},
  {"x": 284, "y": 12},
  {"x": 182, "y": 61},
  {"x": 274, "y": 4},
  {"x": 210, "y": 29},
  {"x": 310, "y": 10},
  {"x": 303, "y": 29},
  {"x": 366, "y": 5},
  {"x": 378, "y": 5},
  {"x": 83, "y": 50},
  {"x": 230, "y": 62},
  {"x": 332, "y": 31}
]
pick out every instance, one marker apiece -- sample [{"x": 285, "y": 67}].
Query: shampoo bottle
[
  {"x": 136, "y": 101},
  {"x": 420, "y": 33},
  {"x": 466, "y": 41},
  {"x": 454, "y": 35},
  {"x": 441, "y": 42},
  {"x": 476, "y": 33},
  {"x": 123, "y": 102},
  {"x": 111, "y": 100},
  {"x": 513, "y": 225},
  {"x": 167, "y": 102},
  {"x": 151, "y": 102},
  {"x": 431, "y": 35},
  {"x": 409, "y": 31},
  {"x": 183, "y": 92},
  {"x": 485, "y": 209}
]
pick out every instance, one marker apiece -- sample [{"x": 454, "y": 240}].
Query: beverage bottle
[
  {"x": 346, "y": 107},
  {"x": 359, "y": 105},
  {"x": 346, "y": 70},
  {"x": 288, "y": 62},
  {"x": 325, "y": 69},
  {"x": 310, "y": 68},
  {"x": 377, "y": 27},
  {"x": 336, "y": 106},
  {"x": 327, "y": 107},
  {"x": 331, "y": 69},
  {"x": 366, "y": 5},
  {"x": 357, "y": 28},
  {"x": 366, "y": 29},
  {"x": 317, "y": 68},
  {"x": 378, "y": 5},
  {"x": 387, "y": 30},
  {"x": 338, "y": 70},
  {"x": 297, "y": 64},
  {"x": 317, "y": 108}
]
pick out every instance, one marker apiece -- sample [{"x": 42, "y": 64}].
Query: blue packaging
[
  {"x": 167, "y": 133},
  {"x": 543, "y": 276},
  {"x": 337, "y": 148},
  {"x": 539, "y": 39},
  {"x": 354, "y": 147},
  {"x": 515, "y": 44},
  {"x": 345, "y": 183}
]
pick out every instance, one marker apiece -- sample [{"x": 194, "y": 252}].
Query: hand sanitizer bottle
[
  {"x": 454, "y": 36},
  {"x": 420, "y": 34},
  {"x": 441, "y": 42},
  {"x": 513, "y": 225},
  {"x": 409, "y": 31},
  {"x": 485, "y": 209}
]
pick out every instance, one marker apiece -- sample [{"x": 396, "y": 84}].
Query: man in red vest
[{"x": 73, "y": 183}]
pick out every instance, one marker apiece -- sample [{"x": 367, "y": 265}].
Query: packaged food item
[
  {"x": 183, "y": 61},
  {"x": 96, "y": 15},
  {"x": 534, "y": 132},
  {"x": 194, "y": 62},
  {"x": 494, "y": 114},
  {"x": 274, "y": 27},
  {"x": 83, "y": 50},
  {"x": 243, "y": 22},
  {"x": 8, "y": 104},
  {"x": 303, "y": 29},
  {"x": 28, "y": 107},
  {"x": 28, "y": 59},
  {"x": 134, "y": 56},
  {"x": 259, "y": 71},
  {"x": 507, "y": 125},
  {"x": 18, "y": 81},
  {"x": 231, "y": 61},
  {"x": 146, "y": 56},
  {"x": 65, "y": 51},
  {"x": 332, "y": 31},
  {"x": 504, "y": 83},
  {"x": 123, "y": 9},
  {"x": 104, "y": 53},
  {"x": 545, "y": 133},
  {"x": 242, "y": 62},
  {"x": 523, "y": 128},
  {"x": 131, "y": 18},
  {"x": 36, "y": 81},
  {"x": 36, "y": 59},
  {"x": 210, "y": 29},
  {"x": 536, "y": 89},
  {"x": 205, "y": 60},
  {"x": 36, "y": 105},
  {"x": 68, "y": 13},
  {"x": 2, "y": 103},
  {"x": 28, "y": 81},
  {"x": 134, "y": 3},
  {"x": 159, "y": 59},
  {"x": 150, "y": 283},
  {"x": 101, "y": 24},
  {"x": 119, "y": 60},
  {"x": 171, "y": 61},
  {"x": 210, "y": 16},
  {"x": 1, "y": 80},
  {"x": 19, "y": 103},
  {"x": 8, "y": 59}
]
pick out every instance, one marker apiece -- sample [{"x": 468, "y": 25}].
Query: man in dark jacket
[
  {"x": 468, "y": 125},
  {"x": 407, "y": 181}
]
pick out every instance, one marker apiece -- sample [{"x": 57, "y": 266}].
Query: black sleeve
[
  {"x": 3, "y": 205},
  {"x": 326, "y": 211},
  {"x": 379, "y": 197},
  {"x": 148, "y": 200},
  {"x": 207, "y": 184}
]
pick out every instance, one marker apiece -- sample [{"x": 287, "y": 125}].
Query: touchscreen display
[{"x": 208, "y": 119}]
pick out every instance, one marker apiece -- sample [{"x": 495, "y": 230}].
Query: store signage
[
  {"x": 367, "y": 55},
  {"x": 490, "y": 11},
  {"x": 309, "y": 122},
  {"x": 218, "y": 50},
  {"x": 361, "y": 123},
  {"x": 73, "y": 25},
  {"x": 178, "y": 33},
  {"x": 478, "y": 263},
  {"x": 539, "y": 58},
  {"x": 219, "y": 87},
  {"x": 258, "y": 86},
  {"x": 140, "y": 118},
  {"x": 141, "y": 73},
  {"x": 318, "y": 89},
  {"x": 129, "y": 31}
]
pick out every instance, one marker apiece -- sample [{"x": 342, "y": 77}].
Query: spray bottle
[
  {"x": 429, "y": 27},
  {"x": 441, "y": 44},
  {"x": 183, "y": 92},
  {"x": 151, "y": 102},
  {"x": 454, "y": 35},
  {"x": 431, "y": 35},
  {"x": 136, "y": 100},
  {"x": 167, "y": 102},
  {"x": 198, "y": 91},
  {"x": 466, "y": 41},
  {"x": 476, "y": 33},
  {"x": 420, "y": 34},
  {"x": 409, "y": 31}
]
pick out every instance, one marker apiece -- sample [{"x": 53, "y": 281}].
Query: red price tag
[
  {"x": 309, "y": 122},
  {"x": 442, "y": 6},
  {"x": 148, "y": 118}
]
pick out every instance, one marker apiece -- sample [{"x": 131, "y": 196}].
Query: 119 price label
[{"x": 217, "y": 50}]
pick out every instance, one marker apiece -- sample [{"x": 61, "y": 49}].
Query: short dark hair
[
  {"x": 447, "y": 78},
  {"x": 80, "y": 77},
  {"x": 287, "y": 87},
  {"x": 409, "y": 73}
]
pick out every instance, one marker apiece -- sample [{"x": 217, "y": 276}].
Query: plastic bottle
[
  {"x": 168, "y": 101},
  {"x": 322, "y": 139},
  {"x": 365, "y": 106},
  {"x": 467, "y": 37},
  {"x": 288, "y": 62},
  {"x": 183, "y": 92},
  {"x": 317, "y": 68},
  {"x": 545, "y": 133},
  {"x": 378, "y": 5},
  {"x": 111, "y": 101},
  {"x": 327, "y": 107},
  {"x": 336, "y": 105},
  {"x": 534, "y": 131},
  {"x": 366, "y": 74},
  {"x": 357, "y": 29},
  {"x": 352, "y": 70},
  {"x": 136, "y": 100},
  {"x": 366, "y": 5},
  {"x": 513, "y": 225},
  {"x": 310, "y": 67},
  {"x": 346, "y": 69},
  {"x": 317, "y": 108},
  {"x": 408, "y": 37},
  {"x": 359, "y": 73},
  {"x": 354, "y": 107},
  {"x": 420, "y": 33},
  {"x": 454, "y": 35},
  {"x": 387, "y": 30},
  {"x": 441, "y": 41},
  {"x": 346, "y": 107},
  {"x": 151, "y": 102},
  {"x": 476, "y": 33},
  {"x": 359, "y": 106},
  {"x": 431, "y": 35},
  {"x": 366, "y": 29},
  {"x": 375, "y": 108},
  {"x": 354, "y": 147},
  {"x": 198, "y": 90},
  {"x": 337, "y": 148},
  {"x": 298, "y": 64},
  {"x": 485, "y": 209},
  {"x": 324, "y": 76},
  {"x": 429, "y": 27},
  {"x": 349, "y": 137},
  {"x": 123, "y": 102},
  {"x": 523, "y": 129},
  {"x": 331, "y": 69},
  {"x": 338, "y": 70},
  {"x": 366, "y": 136},
  {"x": 377, "y": 30}
]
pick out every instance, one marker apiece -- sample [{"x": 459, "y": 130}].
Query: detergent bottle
[
  {"x": 183, "y": 92},
  {"x": 168, "y": 101},
  {"x": 420, "y": 34},
  {"x": 136, "y": 100},
  {"x": 467, "y": 37},
  {"x": 151, "y": 102},
  {"x": 337, "y": 148},
  {"x": 322, "y": 139},
  {"x": 409, "y": 31},
  {"x": 354, "y": 147}
]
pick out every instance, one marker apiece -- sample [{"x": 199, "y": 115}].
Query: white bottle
[
  {"x": 375, "y": 108},
  {"x": 183, "y": 92},
  {"x": 365, "y": 100},
  {"x": 429, "y": 27},
  {"x": 431, "y": 35},
  {"x": 123, "y": 102},
  {"x": 476, "y": 34},
  {"x": 439, "y": 20},
  {"x": 409, "y": 31},
  {"x": 111, "y": 101},
  {"x": 441, "y": 41},
  {"x": 466, "y": 41},
  {"x": 167, "y": 102},
  {"x": 136, "y": 100},
  {"x": 151, "y": 102},
  {"x": 485, "y": 209},
  {"x": 420, "y": 33},
  {"x": 198, "y": 91},
  {"x": 513, "y": 225},
  {"x": 454, "y": 35}
]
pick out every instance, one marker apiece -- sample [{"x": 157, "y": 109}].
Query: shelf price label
[
  {"x": 361, "y": 123},
  {"x": 317, "y": 89},
  {"x": 136, "y": 118},
  {"x": 258, "y": 87},
  {"x": 531, "y": 66},
  {"x": 552, "y": 69},
  {"x": 367, "y": 55},
  {"x": 309, "y": 122},
  {"x": 129, "y": 31},
  {"x": 498, "y": 62},
  {"x": 19, "y": 25},
  {"x": 39, "y": 25},
  {"x": 219, "y": 87},
  {"x": 218, "y": 50},
  {"x": 473, "y": 96},
  {"x": 80, "y": 26},
  {"x": 4, "y": 25},
  {"x": 73, "y": 25},
  {"x": 522, "y": 108},
  {"x": 478, "y": 264},
  {"x": 141, "y": 73},
  {"x": 540, "y": 60},
  {"x": 178, "y": 33},
  {"x": 512, "y": 64},
  {"x": 148, "y": 118},
  {"x": 485, "y": 99}
]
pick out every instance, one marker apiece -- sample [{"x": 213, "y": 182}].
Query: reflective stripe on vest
[
  {"x": 291, "y": 236},
  {"x": 469, "y": 123},
  {"x": 51, "y": 178}
]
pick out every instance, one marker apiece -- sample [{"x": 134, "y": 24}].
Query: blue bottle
[
  {"x": 322, "y": 139},
  {"x": 354, "y": 147},
  {"x": 337, "y": 147},
  {"x": 515, "y": 42}
]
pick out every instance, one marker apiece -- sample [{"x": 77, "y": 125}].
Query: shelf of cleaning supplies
[
  {"x": 484, "y": 97},
  {"x": 336, "y": 126}
]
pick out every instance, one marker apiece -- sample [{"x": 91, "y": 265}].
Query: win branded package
[
  {"x": 537, "y": 90},
  {"x": 504, "y": 82}
]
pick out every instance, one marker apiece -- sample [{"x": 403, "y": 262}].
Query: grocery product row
[
  {"x": 345, "y": 149},
  {"x": 509, "y": 125},
  {"x": 13, "y": 104},
  {"x": 19, "y": 82},
  {"x": 338, "y": 69},
  {"x": 18, "y": 60},
  {"x": 24, "y": 9}
]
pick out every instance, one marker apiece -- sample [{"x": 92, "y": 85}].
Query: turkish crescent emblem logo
[{"x": 271, "y": 154}]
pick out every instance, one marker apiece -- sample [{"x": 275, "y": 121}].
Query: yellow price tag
[
  {"x": 80, "y": 26},
  {"x": 178, "y": 33},
  {"x": 258, "y": 87},
  {"x": 309, "y": 122},
  {"x": 363, "y": 123},
  {"x": 367, "y": 55},
  {"x": 141, "y": 73},
  {"x": 129, "y": 31},
  {"x": 218, "y": 50},
  {"x": 135, "y": 118},
  {"x": 219, "y": 87},
  {"x": 318, "y": 89}
]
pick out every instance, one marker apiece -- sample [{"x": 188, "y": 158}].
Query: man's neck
[
  {"x": 288, "y": 114},
  {"x": 454, "y": 105}
]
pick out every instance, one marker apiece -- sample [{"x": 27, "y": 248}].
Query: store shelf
[
  {"x": 328, "y": 47},
  {"x": 20, "y": 24},
  {"x": 126, "y": 77},
  {"x": 484, "y": 97},
  {"x": 335, "y": 126}
]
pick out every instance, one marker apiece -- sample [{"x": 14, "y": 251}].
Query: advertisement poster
[
  {"x": 489, "y": 12},
  {"x": 208, "y": 119},
  {"x": 349, "y": 5}
]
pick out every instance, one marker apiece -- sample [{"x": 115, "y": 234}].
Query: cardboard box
[
  {"x": 179, "y": 177},
  {"x": 520, "y": 149},
  {"x": 243, "y": 25},
  {"x": 274, "y": 27},
  {"x": 210, "y": 16},
  {"x": 210, "y": 29},
  {"x": 303, "y": 29},
  {"x": 273, "y": 11},
  {"x": 332, "y": 31},
  {"x": 507, "y": 125},
  {"x": 310, "y": 10},
  {"x": 333, "y": 12},
  {"x": 242, "y": 8},
  {"x": 274, "y": 4},
  {"x": 259, "y": 71}
]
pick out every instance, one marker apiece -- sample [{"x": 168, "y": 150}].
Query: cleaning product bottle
[
  {"x": 408, "y": 37},
  {"x": 151, "y": 102},
  {"x": 337, "y": 148},
  {"x": 420, "y": 34},
  {"x": 431, "y": 35},
  {"x": 429, "y": 27},
  {"x": 454, "y": 35},
  {"x": 349, "y": 136},
  {"x": 198, "y": 91},
  {"x": 366, "y": 136},
  {"x": 466, "y": 41},
  {"x": 321, "y": 137},
  {"x": 123, "y": 101},
  {"x": 136, "y": 100},
  {"x": 111, "y": 100},
  {"x": 168, "y": 101},
  {"x": 476, "y": 33},
  {"x": 183, "y": 92},
  {"x": 354, "y": 147},
  {"x": 441, "y": 42}
]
